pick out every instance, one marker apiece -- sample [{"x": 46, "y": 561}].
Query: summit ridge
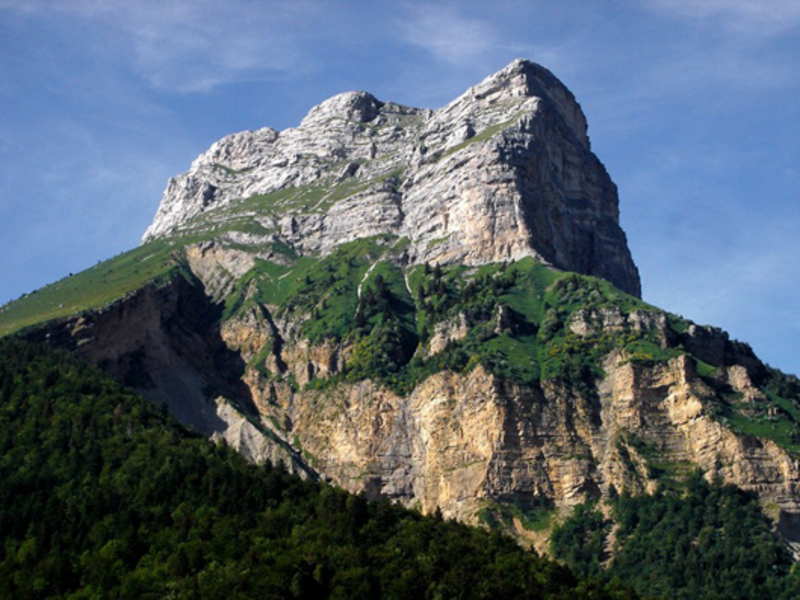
[{"x": 502, "y": 172}]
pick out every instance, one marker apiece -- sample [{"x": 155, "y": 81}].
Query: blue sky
[{"x": 693, "y": 106}]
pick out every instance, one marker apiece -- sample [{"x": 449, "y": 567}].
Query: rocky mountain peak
[
  {"x": 359, "y": 107},
  {"x": 525, "y": 79},
  {"x": 502, "y": 172}
]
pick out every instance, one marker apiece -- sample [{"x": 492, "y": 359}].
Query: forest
[{"x": 688, "y": 540}]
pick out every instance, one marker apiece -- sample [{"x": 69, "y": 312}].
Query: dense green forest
[
  {"x": 104, "y": 495},
  {"x": 693, "y": 540}
]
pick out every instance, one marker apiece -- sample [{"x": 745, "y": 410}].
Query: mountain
[{"x": 434, "y": 306}]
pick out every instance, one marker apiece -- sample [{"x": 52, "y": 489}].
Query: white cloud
[
  {"x": 196, "y": 46},
  {"x": 448, "y": 35}
]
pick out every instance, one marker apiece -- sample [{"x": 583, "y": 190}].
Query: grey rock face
[{"x": 503, "y": 171}]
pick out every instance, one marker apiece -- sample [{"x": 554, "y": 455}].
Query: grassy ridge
[
  {"x": 93, "y": 288},
  {"x": 517, "y": 317}
]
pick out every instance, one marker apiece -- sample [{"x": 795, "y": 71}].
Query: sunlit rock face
[{"x": 502, "y": 172}]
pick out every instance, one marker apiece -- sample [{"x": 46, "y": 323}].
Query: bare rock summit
[{"x": 502, "y": 172}]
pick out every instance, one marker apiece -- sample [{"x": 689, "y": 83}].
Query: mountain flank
[
  {"x": 105, "y": 495},
  {"x": 432, "y": 306}
]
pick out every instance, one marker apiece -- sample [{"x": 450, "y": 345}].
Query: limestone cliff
[
  {"x": 503, "y": 171},
  {"x": 465, "y": 442}
]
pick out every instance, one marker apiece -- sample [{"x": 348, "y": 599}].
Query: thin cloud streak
[
  {"x": 750, "y": 18},
  {"x": 447, "y": 34},
  {"x": 191, "y": 46},
  {"x": 197, "y": 47}
]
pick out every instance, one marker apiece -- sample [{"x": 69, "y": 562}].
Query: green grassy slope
[{"x": 92, "y": 288}]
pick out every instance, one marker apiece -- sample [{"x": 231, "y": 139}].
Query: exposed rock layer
[{"x": 165, "y": 342}]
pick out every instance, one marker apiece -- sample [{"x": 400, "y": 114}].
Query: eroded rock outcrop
[
  {"x": 165, "y": 341},
  {"x": 457, "y": 441},
  {"x": 460, "y": 442}
]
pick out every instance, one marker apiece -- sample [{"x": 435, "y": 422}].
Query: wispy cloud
[
  {"x": 197, "y": 46},
  {"x": 446, "y": 33},
  {"x": 190, "y": 46},
  {"x": 756, "y": 18}
]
